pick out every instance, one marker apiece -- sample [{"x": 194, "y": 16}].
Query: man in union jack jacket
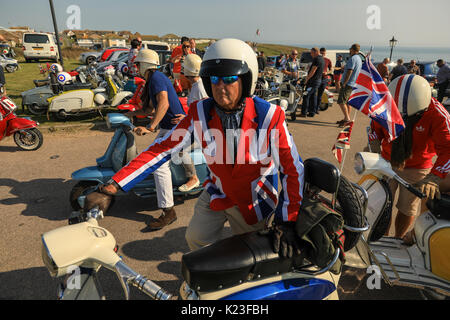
[{"x": 245, "y": 142}]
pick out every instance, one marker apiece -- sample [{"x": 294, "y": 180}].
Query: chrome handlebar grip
[
  {"x": 127, "y": 275},
  {"x": 152, "y": 289}
]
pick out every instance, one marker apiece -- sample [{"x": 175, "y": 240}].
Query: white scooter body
[
  {"x": 424, "y": 265},
  {"x": 86, "y": 100}
]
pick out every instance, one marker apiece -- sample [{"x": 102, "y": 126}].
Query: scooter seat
[
  {"x": 235, "y": 260},
  {"x": 76, "y": 86},
  {"x": 440, "y": 208}
]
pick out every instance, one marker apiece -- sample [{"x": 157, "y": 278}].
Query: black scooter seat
[
  {"x": 440, "y": 208},
  {"x": 234, "y": 260},
  {"x": 76, "y": 86}
]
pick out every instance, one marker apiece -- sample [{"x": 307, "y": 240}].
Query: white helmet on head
[
  {"x": 411, "y": 93},
  {"x": 147, "y": 59},
  {"x": 191, "y": 65},
  {"x": 230, "y": 57},
  {"x": 63, "y": 78},
  {"x": 56, "y": 68}
]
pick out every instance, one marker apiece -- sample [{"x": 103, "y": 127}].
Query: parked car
[
  {"x": 109, "y": 51},
  {"x": 38, "y": 46},
  {"x": 89, "y": 57},
  {"x": 155, "y": 45},
  {"x": 6, "y": 50},
  {"x": 8, "y": 64}
]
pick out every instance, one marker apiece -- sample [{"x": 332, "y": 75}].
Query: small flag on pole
[
  {"x": 371, "y": 96},
  {"x": 342, "y": 142}
]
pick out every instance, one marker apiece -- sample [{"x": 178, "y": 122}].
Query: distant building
[{"x": 171, "y": 39}]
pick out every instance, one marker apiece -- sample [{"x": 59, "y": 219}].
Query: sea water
[{"x": 423, "y": 54}]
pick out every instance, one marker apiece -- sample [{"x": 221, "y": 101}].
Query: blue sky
[{"x": 319, "y": 22}]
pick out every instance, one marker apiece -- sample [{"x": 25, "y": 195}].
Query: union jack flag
[
  {"x": 371, "y": 96},
  {"x": 343, "y": 142}
]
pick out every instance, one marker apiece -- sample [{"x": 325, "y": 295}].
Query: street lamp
[
  {"x": 392, "y": 43},
  {"x": 52, "y": 10}
]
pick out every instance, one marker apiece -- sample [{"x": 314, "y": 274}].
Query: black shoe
[
  {"x": 302, "y": 115},
  {"x": 311, "y": 114}
]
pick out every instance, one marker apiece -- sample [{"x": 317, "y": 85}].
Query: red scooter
[{"x": 26, "y": 135}]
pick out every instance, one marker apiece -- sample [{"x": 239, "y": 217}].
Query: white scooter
[
  {"x": 82, "y": 101},
  {"x": 424, "y": 265},
  {"x": 246, "y": 268}
]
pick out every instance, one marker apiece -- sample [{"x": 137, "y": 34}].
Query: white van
[
  {"x": 156, "y": 45},
  {"x": 40, "y": 46}
]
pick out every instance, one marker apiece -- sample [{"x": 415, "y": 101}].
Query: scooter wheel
[
  {"x": 61, "y": 115},
  {"x": 10, "y": 68},
  {"x": 352, "y": 210},
  {"x": 36, "y": 110},
  {"x": 29, "y": 139}
]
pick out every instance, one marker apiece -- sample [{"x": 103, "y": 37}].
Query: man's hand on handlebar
[
  {"x": 102, "y": 197},
  {"x": 430, "y": 186},
  {"x": 141, "y": 131}
]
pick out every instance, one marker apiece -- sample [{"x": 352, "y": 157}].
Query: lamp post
[
  {"x": 56, "y": 32},
  {"x": 392, "y": 43}
]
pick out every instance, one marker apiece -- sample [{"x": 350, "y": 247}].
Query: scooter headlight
[{"x": 359, "y": 164}]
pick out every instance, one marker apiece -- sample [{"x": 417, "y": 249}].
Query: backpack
[{"x": 321, "y": 228}]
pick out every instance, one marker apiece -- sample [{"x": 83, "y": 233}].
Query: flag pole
[
  {"x": 346, "y": 150},
  {"x": 333, "y": 202}
]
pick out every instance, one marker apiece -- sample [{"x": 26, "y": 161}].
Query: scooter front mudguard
[
  {"x": 93, "y": 173},
  {"x": 119, "y": 97},
  {"x": 17, "y": 124}
]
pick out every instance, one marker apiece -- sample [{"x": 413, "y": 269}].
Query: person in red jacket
[
  {"x": 246, "y": 144},
  {"x": 427, "y": 134}
]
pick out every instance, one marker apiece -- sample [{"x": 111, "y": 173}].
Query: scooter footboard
[{"x": 405, "y": 266}]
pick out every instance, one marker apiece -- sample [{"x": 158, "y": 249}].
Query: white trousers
[{"x": 163, "y": 181}]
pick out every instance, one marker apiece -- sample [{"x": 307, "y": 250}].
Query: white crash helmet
[
  {"x": 56, "y": 68},
  {"x": 191, "y": 65},
  {"x": 411, "y": 93},
  {"x": 147, "y": 59},
  {"x": 230, "y": 57},
  {"x": 63, "y": 78}
]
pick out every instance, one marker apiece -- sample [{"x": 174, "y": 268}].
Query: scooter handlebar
[
  {"x": 409, "y": 187},
  {"x": 415, "y": 191},
  {"x": 151, "y": 289}
]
